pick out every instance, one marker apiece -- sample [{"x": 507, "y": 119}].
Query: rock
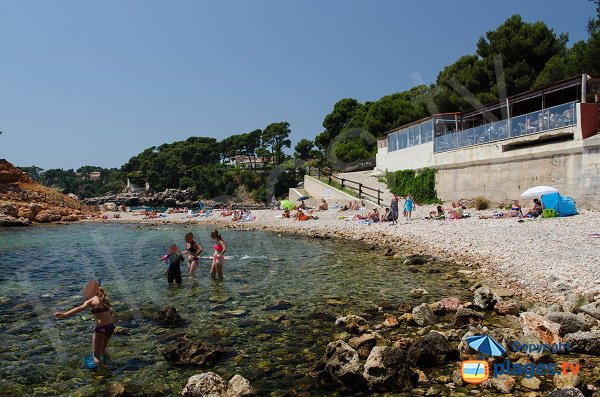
[
  {"x": 504, "y": 336},
  {"x": 389, "y": 252},
  {"x": 534, "y": 324},
  {"x": 466, "y": 316},
  {"x": 418, "y": 292},
  {"x": 117, "y": 389},
  {"x": 386, "y": 369},
  {"x": 484, "y": 298},
  {"x": 365, "y": 339},
  {"x": 342, "y": 369},
  {"x": 423, "y": 315},
  {"x": 356, "y": 324},
  {"x": 566, "y": 392},
  {"x": 168, "y": 316},
  {"x": 236, "y": 313},
  {"x": 507, "y": 307},
  {"x": 406, "y": 318},
  {"x": 109, "y": 207},
  {"x": 532, "y": 383},
  {"x": 240, "y": 387},
  {"x": 45, "y": 216},
  {"x": 503, "y": 383},
  {"x": 568, "y": 380},
  {"x": 9, "y": 209},
  {"x": 404, "y": 307},
  {"x": 25, "y": 212},
  {"x": 573, "y": 301},
  {"x": 437, "y": 308},
  {"x": 569, "y": 322},
  {"x": 391, "y": 321},
  {"x": 503, "y": 293},
  {"x": 70, "y": 218},
  {"x": 207, "y": 384},
  {"x": 593, "y": 309},
  {"x": 451, "y": 304},
  {"x": 7, "y": 220},
  {"x": 535, "y": 355},
  {"x": 430, "y": 350},
  {"x": 416, "y": 260},
  {"x": 457, "y": 378},
  {"x": 584, "y": 342},
  {"x": 341, "y": 321},
  {"x": 279, "y": 305},
  {"x": 187, "y": 352}
]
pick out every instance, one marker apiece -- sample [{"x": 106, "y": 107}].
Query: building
[
  {"x": 94, "y": 175},
  {"x": 547, "y": 136}
]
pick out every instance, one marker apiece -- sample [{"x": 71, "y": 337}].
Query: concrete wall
[{"x": 319, "y": 190}]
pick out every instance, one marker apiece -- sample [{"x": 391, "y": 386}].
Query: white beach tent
[{"x": 538, "y": 192}]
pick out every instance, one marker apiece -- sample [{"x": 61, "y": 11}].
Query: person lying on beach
[
  {"x": 360, "y": 217},
  {"x": 323, "y": 206},
  {"x": 537, "y": 210},
  {"x": 173, "y": 260},
  {"x": 226, "y": 213},
  {"x": 96, "y": 299},
  {"x": 193, "y": 249},
  {"x": 286, "y": 214}
]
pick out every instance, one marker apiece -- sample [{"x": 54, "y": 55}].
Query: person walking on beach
[
  {"x": 218, "y": 257},
  {"x": 394, "y": 209},
  {"x": 173, "y": 260},
  {"x": 193, "y": 249},
  {"x": 96, "y": 299},
  {"x": 409, "y": 205}
]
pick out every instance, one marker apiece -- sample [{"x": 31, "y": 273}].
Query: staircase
[{"x": 367, "y": 179}]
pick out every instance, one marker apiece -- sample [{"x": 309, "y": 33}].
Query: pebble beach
[{"x": 542, "y": 259}]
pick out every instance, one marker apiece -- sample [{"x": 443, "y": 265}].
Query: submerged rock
[
  {"x": 342, "y": 370},
  {"x": 387, "y": 369},
  {"x": 240, "y": 386},
  {"x": 356, "y": 324},
  {"x": 430, "y": 350},
  {"x": 168, "y": 316},
  {"x": 188, "y": 352},
  {"x": 423, "y": 315},
  {"x": 207, "y": 384},
  {"x": 279, "y": 305},
  {"x": 465, "y": 316}
]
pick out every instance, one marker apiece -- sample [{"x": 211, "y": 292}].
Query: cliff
[{"x": 23, "y": 201}]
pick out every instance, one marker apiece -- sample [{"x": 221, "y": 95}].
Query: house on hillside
[{"x": 94, "y": 175}]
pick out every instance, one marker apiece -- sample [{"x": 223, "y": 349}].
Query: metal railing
[
  {"x": 532, "y": 123},
  {"x": 360, "y": 189}
]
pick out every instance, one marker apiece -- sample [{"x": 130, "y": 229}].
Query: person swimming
[
  {"x": 97, "y": 299},
  {"x": 218, "y": 256},
  {"x": 193, "y": 249}
]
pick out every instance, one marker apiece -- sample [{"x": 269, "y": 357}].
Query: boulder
[
  {"x": 566, "y": 392},
  {"x": 451, "y": 304},
  {"x": 418, "y": 292},
  {"x": 465, "y": 316},
  {"x": 545, "y": 330},
  {"x": 7, "y": 220},
  {"x": 568, "y": 380},
  {"x": 343, "y": 370},
  {"x": 207, "y": 384},
  {"x": 168, "y": 316},
  {"x": 416, "y": 260},
  {"x": 364, "y": 339},
  {"x": 430, "y": 350},
  {"x": 240, "y": 387},
  {"x": 391, "y": 321},
  {"x": 279, "y": 305},
  {"x": 573, "y": 301},
  {"x": 532, "y": 383},
  {"x": 484, "y": 298},
  {"x": 387, "y": 369},
  {"x": 423, "y": 315},
  {"x": 592, "y": 309},
  {"x": 70, "y": 218},
  {"x": 356, "y": 324},
  {"x": 189, "y": 352},
  {"x": 507, "y": 307},
  {"x": 569, "y": 322},
  {"x": 504, "y": 383},
  {"x": 536, "y": 355},
  {"x": 26, "y": 212},
  {"x": 584, "y": 342},
  {"x": 9, "y": 209},
  {"x": 437, "y": 308},
  {"x": 45, "y": 216}
]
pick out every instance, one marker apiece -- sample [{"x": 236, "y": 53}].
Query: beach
[{"x": 542, "y": 259}]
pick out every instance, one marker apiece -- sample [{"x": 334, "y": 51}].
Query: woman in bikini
[
  {"x": 96, "y": 299},
  {"x": 193, "y": 249},
  {"x": 218, "y": 256}
]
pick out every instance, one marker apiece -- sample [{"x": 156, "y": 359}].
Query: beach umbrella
[
  {"x": 287, "y": 204},
  {"x": 485, "y": 344},
  {"x": 303, "y": 198},
  {"x": 538, "y": 191}
]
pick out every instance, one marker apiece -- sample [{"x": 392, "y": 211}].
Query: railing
[
  {"x": 532, "y": 123},
  {"x": 360, "y": 189}
]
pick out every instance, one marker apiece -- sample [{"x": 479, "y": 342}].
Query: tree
[
  {"x": 34, "y": 172},
  {"x": 303, "y": 149},
  {"x": 249, "y": 144},
  {"x": 275, "y": 136}
]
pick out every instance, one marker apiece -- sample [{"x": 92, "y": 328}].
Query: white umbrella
[{"x": 538, "y": 191}]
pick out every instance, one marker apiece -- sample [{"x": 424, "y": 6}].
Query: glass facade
[
  {"x": 531, "y": 123},
  {"x": 410, "y": 136}
]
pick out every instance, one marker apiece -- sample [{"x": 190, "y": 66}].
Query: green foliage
[
  {"x": 303, "y": 149},
  {"x": 352, "y": 149},
  {"x": 420, "y": 184},
  {"x": 276, "y": 137}
]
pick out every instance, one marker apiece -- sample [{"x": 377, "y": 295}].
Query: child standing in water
[
  {"x": 96, "y": 299},
  {"x": 173, "y": 260},
  {"x": 193, "y": 249},
  {"x": 218, "y": 256}
]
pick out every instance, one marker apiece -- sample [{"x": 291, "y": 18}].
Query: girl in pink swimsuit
[{"x": 218, "y": 256}]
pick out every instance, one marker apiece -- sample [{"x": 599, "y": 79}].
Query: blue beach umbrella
[
  {"x": 485, "y": 344},
  {"x": 303, "y": 198}
]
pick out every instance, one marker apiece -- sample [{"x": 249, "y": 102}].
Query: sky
[{"x": 95, "y": 83}]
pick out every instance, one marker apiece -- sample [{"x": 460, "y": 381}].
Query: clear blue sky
[{"x": 94, "y": 83}]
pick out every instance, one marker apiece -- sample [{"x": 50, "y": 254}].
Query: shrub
[
  {"x": 481, "y": 203},
  {"x": 419, "y": 184}
]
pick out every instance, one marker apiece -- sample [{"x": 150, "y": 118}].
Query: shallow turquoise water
[{"x": 43, "y": 269}]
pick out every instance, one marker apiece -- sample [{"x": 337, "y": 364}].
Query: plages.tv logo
[{"x": 478, "y": 371}]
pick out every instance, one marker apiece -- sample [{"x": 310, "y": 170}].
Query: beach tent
[{"x": 562, "y": 205}]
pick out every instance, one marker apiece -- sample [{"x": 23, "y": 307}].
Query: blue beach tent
[{"x": 562, "y": 205}]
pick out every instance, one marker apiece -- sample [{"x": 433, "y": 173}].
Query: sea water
[{"x": 44, "y": 268}]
